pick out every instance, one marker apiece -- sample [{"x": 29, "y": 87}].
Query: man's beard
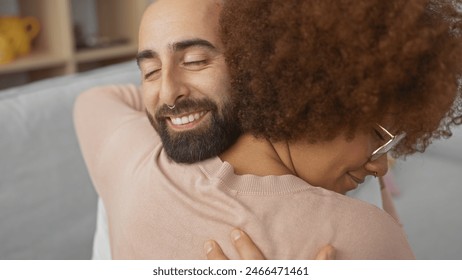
[{"x": 199, "y": 143}]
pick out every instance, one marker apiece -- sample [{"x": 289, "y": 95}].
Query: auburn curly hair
[{"x": 314, "y": 69}]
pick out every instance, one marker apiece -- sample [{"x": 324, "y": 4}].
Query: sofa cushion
[{"x": 47, "y": 202}]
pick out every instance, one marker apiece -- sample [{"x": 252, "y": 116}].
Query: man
[
  {"x": 160, "y": 209},
  {"x": 215, "y": 129}
]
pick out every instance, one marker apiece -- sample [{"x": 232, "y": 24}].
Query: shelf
[
  {"x": 91, "y": 55},
  {"x": 33, "y": 61},
  {"x": 54, "y": 51}
]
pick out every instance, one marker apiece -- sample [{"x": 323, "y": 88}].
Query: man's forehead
[
  {"x": 175, "y": 9},
  {"x": 169, "y": 21}
]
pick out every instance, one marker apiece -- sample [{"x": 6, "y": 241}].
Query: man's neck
[{"x": 250, "y": 155}]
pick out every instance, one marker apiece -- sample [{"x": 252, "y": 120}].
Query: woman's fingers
[
  {"x": 249, "y": 251},
  {"x": 213, "y": 251},
  {"x": 326, "y": 253},
  {"x": 245, "y": 247}
]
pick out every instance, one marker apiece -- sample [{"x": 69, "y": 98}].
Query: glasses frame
[{"x": 385, "y": 148}]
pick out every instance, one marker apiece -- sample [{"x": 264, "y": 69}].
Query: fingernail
[
  {"x": 236, "y": 234},
  {"x": 208, "y": 246},
  {"x": 331, "y": 254}
]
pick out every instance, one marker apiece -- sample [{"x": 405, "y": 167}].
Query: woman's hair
[{"x": 312, "y": 69}]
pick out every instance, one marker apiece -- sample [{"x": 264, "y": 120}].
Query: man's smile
[{"x": 186, "y": 121}]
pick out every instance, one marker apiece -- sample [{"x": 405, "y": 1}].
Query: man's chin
[
  {"x": 193, "y": 146},
  {"x": 209, "y": 138}
]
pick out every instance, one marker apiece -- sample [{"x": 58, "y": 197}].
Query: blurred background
[
  {"x": 52, "y": 50},
  {"x": 65, "y": 36}
]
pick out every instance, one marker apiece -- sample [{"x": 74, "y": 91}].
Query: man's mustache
[{"x": 186, "y": 106}]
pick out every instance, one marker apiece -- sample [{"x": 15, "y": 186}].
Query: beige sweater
[{"x": 158, "y": 209}]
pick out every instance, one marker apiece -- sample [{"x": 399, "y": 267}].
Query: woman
[{"x": 326, "y": 88}]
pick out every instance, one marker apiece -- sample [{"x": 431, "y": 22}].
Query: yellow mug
[
  {"x": 19, "y": 31},
  {"x": 6, "y": 50}
]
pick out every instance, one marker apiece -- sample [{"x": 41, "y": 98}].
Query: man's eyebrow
[
  {"x": 145, "y": 54},
  {"x": 182, "y": 45},
  {"x": 178, "y": 46}
]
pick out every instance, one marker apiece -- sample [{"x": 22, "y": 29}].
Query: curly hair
[{"x": 312, "y": 69}]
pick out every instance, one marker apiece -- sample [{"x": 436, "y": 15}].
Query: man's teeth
[{"x": 187, "y": 119}]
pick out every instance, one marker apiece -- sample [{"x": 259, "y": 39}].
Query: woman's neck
[{"x": 257, "y": 156}]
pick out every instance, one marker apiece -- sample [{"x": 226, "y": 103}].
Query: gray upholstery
[
  {"x": 47, "y": 202},
  {"x": 48, "y": 206}
]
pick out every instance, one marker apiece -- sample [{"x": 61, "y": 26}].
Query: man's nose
[
  {"x": 172, "y": 87},
  {"x": 378, "y": 167}
]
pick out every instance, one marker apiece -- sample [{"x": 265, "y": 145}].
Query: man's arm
[{"x": 99, "y": 112}]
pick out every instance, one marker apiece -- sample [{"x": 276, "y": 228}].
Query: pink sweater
[{"x": 158, "y": 209}]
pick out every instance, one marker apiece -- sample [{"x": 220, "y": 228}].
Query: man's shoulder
[
  {"x": 356, "y": 223},
  {"x": 350, "y": 212},
  {"x": 352, "y": 207}
]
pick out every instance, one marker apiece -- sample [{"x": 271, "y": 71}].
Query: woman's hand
[{"x": 249, "y": 251}]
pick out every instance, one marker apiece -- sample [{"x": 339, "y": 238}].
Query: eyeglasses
[{"x": 385, "y": 148}]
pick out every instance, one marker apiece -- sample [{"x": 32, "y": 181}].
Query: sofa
[
  {"x": 48, "y": 204},
  {"x": 47, "y": 201}
]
